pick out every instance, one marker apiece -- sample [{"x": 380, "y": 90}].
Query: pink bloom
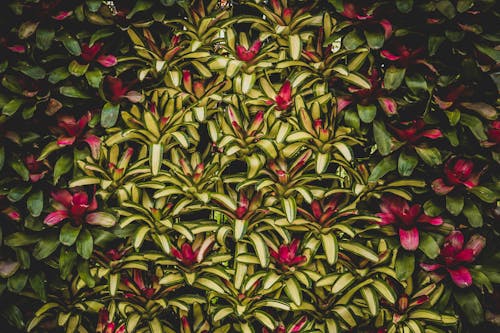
[
  {"x": 493, "y": 135},
  {"x": 187, "y": 256},
  {"x": 75, "y": 207},
  {"x": 361, "y": 11},
  {"x": 90, "y": 53},
  {"x": 284, "y": 98},
  {"x": 287, "y": 254},
  {"x": 193, "y": 254},
  {"x": 62, "y": 15},
  {"x": 104, "y": 325},
  {"x": 405, "y": 56},
  {"x": 17, "y": 48},
  {"x": 454, "y": 256},
  {"x": 406, "y": 219},
  {"x": 74, "y": 131},
  {"x": 458, "y": 171},
  {"x": 249, "y": 54},
  {"x": 413, "y": 131},
  {"x": 115, "y": 90},
  {"x": 37, "y": 169}
]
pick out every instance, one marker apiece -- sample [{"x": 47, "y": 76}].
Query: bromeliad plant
[{"x": 249, "y": 166}]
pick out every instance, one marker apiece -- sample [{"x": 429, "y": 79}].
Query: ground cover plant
[{"x": 249, "y": 166}]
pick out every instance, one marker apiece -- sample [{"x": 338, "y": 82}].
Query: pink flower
[
  {"x": 37, "y": 169},
  {"x": 75, "y": 207},
  {"x": 284, "y": 98},
  {"x": 116, "y": 90},
  {"x": 361, "y": 11},
  {"x": 193, "y": 254},
  {"x": 90, "y": 53},
  {"x": 139, "y": 288},
  {"x": 104, "y": 325},
  {"x": 249, "y": 54},
  {"x": 369, "y": 96},
  {"x": 287, "y": 255},
  {"x": 414, "y": 130},
  {"x": 74, "y": 131},
  {"x": 453, "y": 258},
  {"x": 458, "y": 171},
  {"x": 493, "y": 135},
  {"x": 406, "y": 219},
  {"x": 404, "y": 56}
]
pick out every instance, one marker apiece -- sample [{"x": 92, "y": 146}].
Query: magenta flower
[
  {"x": 360, "y": 11},
  {"x": 284, "y": 98},
  {"x": 294, "y": 328},
  {"x": 493, "y": 135},
  {"x": 458, "y": 171},
  {"x": 187, "y": 256},
  {"x": 369, "y": 96},
  {"x": 73, "y": 131},
  {"x": 404, "y": 56},
  {"x": 287, "y": 254},
  {"x": 90, "y": 53},
  {"x": 37, "y": 169},
  {"x": 195, "y": 253},
  {"x": 249, "y": 54},
  {"x": 140, "y": 288},
  {"x": 116, "y": 90},
  {"x": 104, "y": 325},
  {"x": 78, "y": 208},
  {"x": 413, "y": 131},
  {"x": 406, "y": 219},
  {"x": 454, "y": 257}
]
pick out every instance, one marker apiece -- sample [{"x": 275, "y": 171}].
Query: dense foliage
[{"x": 250, "y": 166}]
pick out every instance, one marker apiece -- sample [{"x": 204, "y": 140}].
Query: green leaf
[
  {"x": 431, "y": 155},
  {"x": 70, "y": 44},
  {"x": 67, "y": 260},
  {"x": 406, "y": 163},
  {"x": 446, "y": 8},
  {"x": 405, "y": 264},
  {"x": 44, "y": 37},
  {"x": 19, "y": 167},
  {"x": 382, "y": 137},
  {"x": 331, "y": 247},
  {"x": 46, "y": 246},
  {"x": 475, "y": 125},
  {"x": 109, "y": 114},
  {"x": 140, "y": 6},
  {"x": 428, "y": 245},
  {"x": 73, "y": 92},
  {"x": 454, "y": 203},
  {"x": 94, "y": 77},
  {"x": 18, "y": 192},
  {"x": 35, "y": 203},
  {"x": 34, "y": 72},
  {"x": 37, "y": 283},
  {"x": 393, "y": 77},
  {"x": 69, "y": 233},
  {"x": 292, "y": 290},
  {"x": 464, "y": 5},
  {"x": 470, "y": 305},
  {"x": 375, "y": 39},
  {"x": 473, "y": 214},
  {"x": 62, "y": 166},
  {"x": 383, "y": 167},
  {"x": 14, "y": 316},
  {"x": 85, "y": 274},
  {"x": 352, "y": 40},
  {"x": 58, "y": 74},
  {"x": 77, "y": 69},
  {"x": 84, "y": 244},
  {"x": 484, "y": 193},
  {"x": 404, "y": 6},
  {"x": 17, "y": 282},
  {"x": 11, "y": 108},
  {"x": 367, "y": 113},
  {"x": 21, "y": 239}
]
